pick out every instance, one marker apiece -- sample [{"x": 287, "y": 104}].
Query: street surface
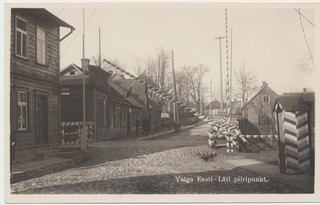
[{"x": 170, "y": 164}]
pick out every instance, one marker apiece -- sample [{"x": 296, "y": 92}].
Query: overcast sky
[{"x": 268, "y": 40}]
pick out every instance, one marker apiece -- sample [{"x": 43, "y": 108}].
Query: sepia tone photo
[{"x": 158, "y": 100}]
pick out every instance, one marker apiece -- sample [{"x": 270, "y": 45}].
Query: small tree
[
  {"x": 195, "y": 77},
  {"x": 246, "y": 84}
]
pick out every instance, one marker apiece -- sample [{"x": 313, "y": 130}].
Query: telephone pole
[
  {"x": 175, "y": 106},
  {"x": 211, "y": 96},
  {"x": 84, "y": 128},
  {"x": 221, "y": 88}
]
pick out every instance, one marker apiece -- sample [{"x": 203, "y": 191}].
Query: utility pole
[
  {"x": 211, "y": 96},
  {"x": 84, "y": 128},
  {"x": 99, "y": 48},
  {"x": 221, "y": 88},
  {"x": 175, "y": 106},
  {"x": 201, "y": 100}
]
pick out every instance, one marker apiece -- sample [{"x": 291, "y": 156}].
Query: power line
[
  {"x": 304, "y": 17},
  {"x": 78, "y": 32},
  {"x": 305, "y": 38},
  {"x": 60, "y": 12}
]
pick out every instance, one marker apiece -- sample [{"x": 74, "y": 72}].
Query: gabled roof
[
  {"x": 138, "y": 92},
  {"x": 215, "y": 105},
  {"x": 116, "y": 96},
  {"x": 45, "y": 16},
  {"x": 122, "y": 91},
  {"x": 256, "y": 95},
  {"x": 308, "y": 96},
  {"x": 69, "y": 68},
  {"x": 293, "y": 103},
  {"x": 147, "y": 79}
]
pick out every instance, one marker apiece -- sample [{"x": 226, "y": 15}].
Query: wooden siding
[
  {"x": 29, "y": 67},
  {"x": 29, "y": 76}
]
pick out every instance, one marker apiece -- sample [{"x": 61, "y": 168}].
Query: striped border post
[
  {"x": 293, "y": 142},
  {"x": 297, "y": 145},
  {"x": 140, "y": 127},
  {"x": 76, "y": 132}
]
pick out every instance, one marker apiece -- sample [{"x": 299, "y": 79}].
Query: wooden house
[
  {"x": 34, "y": 77},
  {"x": 258, "y": 112},
  {"x": 138, "y": 93},
  {"x": 112, "y": 114}
]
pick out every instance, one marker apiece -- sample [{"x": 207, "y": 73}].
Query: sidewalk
[
  {"x": 158, "y": 134},
  {"x": 32, "y": 169},
  {"x": 304, "y": 182},
  {"x": 136, "y": 140},
  {"x": 36, "y": 168}
]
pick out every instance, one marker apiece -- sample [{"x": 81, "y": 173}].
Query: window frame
[
  {"x": 117, "y": 117},
  {"x": 123, "y": 117},
  {"x": 45, "y": 45},
  {"x": 266, "y": 97},
  {"x": 23, "y": 104},
  {"x": 105, "y": 112},
  {"x": 22, "y": 33}
]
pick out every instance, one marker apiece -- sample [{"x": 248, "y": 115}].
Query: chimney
[
  {"x": 85, "y": 64},
  {"x": 304, "y": 90},
  {"x": 264, "y": 84}
]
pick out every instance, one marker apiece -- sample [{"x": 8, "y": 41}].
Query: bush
[{"x": 207, "y": 155}]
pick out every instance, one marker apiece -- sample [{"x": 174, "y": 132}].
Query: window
[
  {"x": 105, "y": 112},
  {"x": 72, "y": 72},
  {"x": 117, "y": 117},
  {"x": 266, "y": 99},
  {"x": 114, "y": 118},
  {"x": 41, "y": 46},
  {"x": 111, "y": 116},
  {"x": 23, "y": 111},
  {"x": 123, "y": 116},
  {"x": 21, "y": 37},
  {"x": 133, "y": 118}
]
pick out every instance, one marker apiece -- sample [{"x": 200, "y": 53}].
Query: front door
[{"x": 42, "y": 120}]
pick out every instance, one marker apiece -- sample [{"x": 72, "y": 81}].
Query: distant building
[
  {"x": 112, "y": 114},
  {"x": 138, "y": 93},
  {"x": 214, "y": 108},
  {"x": 34, "y": 77},
  {"x": 258, "y": 111}
]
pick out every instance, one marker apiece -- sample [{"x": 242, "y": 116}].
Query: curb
[
  {"x": 35, "y": 173},
  {"x": 168, "y": 132},
  {"x": 55, "y": 167}
]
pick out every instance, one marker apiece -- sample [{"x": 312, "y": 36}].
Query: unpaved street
[{"x": 165, "y": 165}]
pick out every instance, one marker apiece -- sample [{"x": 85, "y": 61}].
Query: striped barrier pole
[
  {"x": 75, "y": 133},
  {"x": 140, "y": 127}
]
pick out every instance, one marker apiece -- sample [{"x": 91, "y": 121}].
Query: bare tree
[
  {"x": 158, "y": 68},
  {"x": 246, "y": 84},
  {"x": 195, "y": 76},
  {"x": 183, "y": 86},
  {"x": 95, "y": 60},
  {"x": 138, "y": 68}
]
